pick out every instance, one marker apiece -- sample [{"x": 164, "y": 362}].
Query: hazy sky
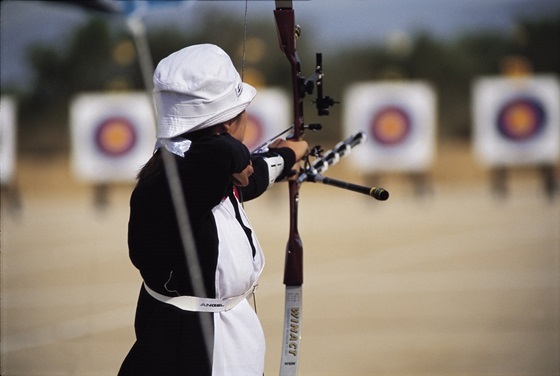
[{"x": 331, "y": 21}]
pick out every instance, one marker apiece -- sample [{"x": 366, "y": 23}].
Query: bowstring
[
  {"x": 244, "y": 40},
  {"x": 243, "y": 79},
  {"x": 239, "y": 191}
]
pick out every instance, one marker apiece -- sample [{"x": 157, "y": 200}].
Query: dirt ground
[{"x": 456, "y": 282}]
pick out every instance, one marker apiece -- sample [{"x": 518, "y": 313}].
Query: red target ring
[
  {"x": 521, "y": 119},
  {"x": 390, "y": 126},
  {"x": 115, "y": 136},
  {"x": 253, "y": 132}
]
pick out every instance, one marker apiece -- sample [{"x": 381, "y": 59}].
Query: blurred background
[{"x": 458, "y": 273}]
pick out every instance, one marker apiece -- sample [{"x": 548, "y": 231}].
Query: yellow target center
[
  {"x": 391, "y": 125},
  {"x": 520, "y": 119},
  {"x": 116, "y": 137}
]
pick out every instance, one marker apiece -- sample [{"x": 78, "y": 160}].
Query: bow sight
[
  {"x": 322, "y": 103},
  {"x": 312, "y": 170}
]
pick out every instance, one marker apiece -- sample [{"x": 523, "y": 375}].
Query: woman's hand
[
  {"x": 300, "y": 148},
  {"x": 241, "y": 179}
]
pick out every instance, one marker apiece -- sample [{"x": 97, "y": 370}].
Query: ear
[{"x": 223, "y": 127}]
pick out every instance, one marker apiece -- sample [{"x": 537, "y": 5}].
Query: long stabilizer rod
[{"x": 376, "y": 192}]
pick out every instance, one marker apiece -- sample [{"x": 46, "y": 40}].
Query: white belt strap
[{"x": 195, "y": 304}]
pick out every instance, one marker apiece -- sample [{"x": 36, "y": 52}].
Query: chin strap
[{"x": 176, "y": 145}]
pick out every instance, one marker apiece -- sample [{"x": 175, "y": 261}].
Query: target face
[
  {"x": 400, "y": 121},
  {"x": 268, "y": 114},
  {"x": 390, "y": 126},
  {"x": 516, "y": 120},
  {"x": 521, "y": 119},
  {"x": 113, "y": 135}
]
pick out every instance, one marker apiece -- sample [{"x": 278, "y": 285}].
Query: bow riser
[
  {"x": 285, "y": 23},
  {"x": 286, "y": 28}
]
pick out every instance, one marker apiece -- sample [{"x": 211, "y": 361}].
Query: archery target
[
  {"x": 113, "y": 135},
  {"x": 268, "y": 114},
  {"x": 516, "y": 120},
  {"x": 7, "y": 139},
  {"x": 399, "y": 120}
]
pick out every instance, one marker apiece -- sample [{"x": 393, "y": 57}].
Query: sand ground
[{"x": 457, "y": 282}]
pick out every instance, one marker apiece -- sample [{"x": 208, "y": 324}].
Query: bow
[
  {"x": 293, "y": 268},
  {"x": 288, "y": 32}
]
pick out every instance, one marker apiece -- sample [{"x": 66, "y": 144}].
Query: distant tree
[
  {"x": 87, "y": 62},
  {"x": 539, "y": 41},
  {"x": 83, "y": 63}
]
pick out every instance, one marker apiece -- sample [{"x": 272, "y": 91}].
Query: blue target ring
[
  {"x": 391, "y": 125},
  {"x": 521, "y": 119},
  {"x": 115, "y": 136}
]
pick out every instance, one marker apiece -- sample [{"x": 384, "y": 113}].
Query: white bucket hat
[{"x": 197, "y": 87}]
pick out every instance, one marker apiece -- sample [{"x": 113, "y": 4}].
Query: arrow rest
[{"x": 316, "y": 152}]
